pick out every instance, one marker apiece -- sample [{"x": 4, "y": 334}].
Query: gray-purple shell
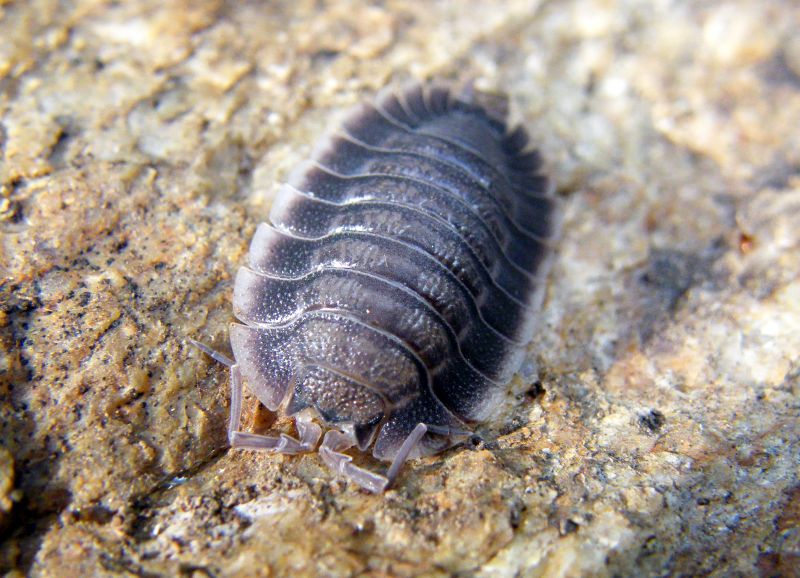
[{"x": 399, "y": 280}]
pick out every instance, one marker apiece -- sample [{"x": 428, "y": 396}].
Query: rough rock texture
[{"x": 655, "y": 430}]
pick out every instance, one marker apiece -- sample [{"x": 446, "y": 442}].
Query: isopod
[{"x": 394, "y": 293}]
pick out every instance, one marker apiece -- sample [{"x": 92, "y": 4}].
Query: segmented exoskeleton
[{"x": 394, "y": 292}]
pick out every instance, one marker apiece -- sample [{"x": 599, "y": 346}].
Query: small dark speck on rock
[
  {"x": 653, "y": 420},
  {"x": 567, "y": 526},
  {"x": 475, "y": 442},
  {"x": 515, "y": 515},
  {"x": 650, "y": 545},
  {"x": 670, "y": 274},
  {"x": 536, "y": 390},
  {"x": 324, "y": 56},
  {"x": 576, "y": 391},
  {"x": 515, "y": 423},
  {"x": 194, "y": 570},
  {"x": 98, "y": 514}
]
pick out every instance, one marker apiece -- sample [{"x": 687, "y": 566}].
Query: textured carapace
[{"x": 395, "y": 290}]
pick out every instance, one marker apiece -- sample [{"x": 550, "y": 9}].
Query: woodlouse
[{"x": 394, "y": 293}]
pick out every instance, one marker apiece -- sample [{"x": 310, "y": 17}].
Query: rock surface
[{"x": 655, "y": 430}]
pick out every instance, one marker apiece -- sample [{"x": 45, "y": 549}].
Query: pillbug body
[{"x": 394, "y": 292}]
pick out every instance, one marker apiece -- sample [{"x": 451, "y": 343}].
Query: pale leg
[
  {"x": 335, "y": 442},
  {"x": 309, "y": 431},
  {"x": 402, "y": 454}
]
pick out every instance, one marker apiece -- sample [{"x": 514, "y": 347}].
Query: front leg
[
  {"x": 335, "y": 442},
  {"x": 309, "y": 431}
]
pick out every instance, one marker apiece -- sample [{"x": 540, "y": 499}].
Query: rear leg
[
  {"x": 309, "y": 431},
  {"x": 335, "y": 442}
]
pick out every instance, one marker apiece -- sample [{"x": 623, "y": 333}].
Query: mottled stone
[
  {"x": 655, "y": 428},
  {"x": 7, "y": 494}
]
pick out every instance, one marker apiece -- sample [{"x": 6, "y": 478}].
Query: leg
[
  {"x": 335, "y": 442},
  {"x": 215, "y": 355},
  {"x": 283, "y": 444},
  {"x": 309, "y": 431},
  {"x": 402, "y": 454}
]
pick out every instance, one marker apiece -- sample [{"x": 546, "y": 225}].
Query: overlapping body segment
[
  {"x": 396, "y": 288},
  {"x": 305, "y": 216},
  {"x": 447, "y": 286},
  {"x": 482, "y": 229},
  {"x": 380, "y": 303}
]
